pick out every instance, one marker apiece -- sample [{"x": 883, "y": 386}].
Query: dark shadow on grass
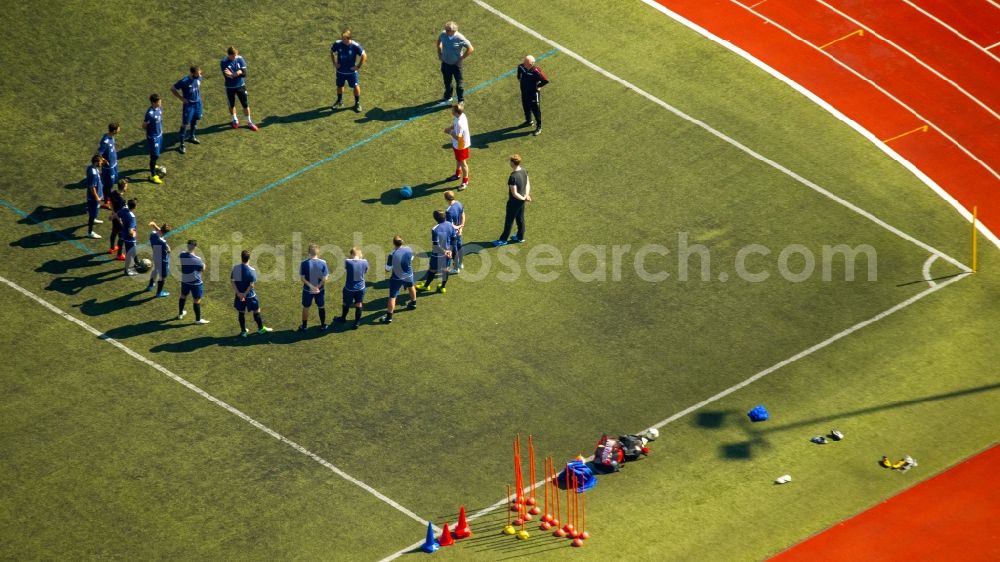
[
  {"x": 46, "y": 213},
  {"x": 61, "y": 267},
  {"x": 71, "y": 285},
  {"x": 712, "y": 419},
  {"x": 277, "y": 337},
  {"x": 484, "y": 140},
  {"x": 401, "y": 113},
  {"x": 931, "y": 279},
  {"x": 391, "y": 196},
  {"x": 143, "y": 328},
  {"x": 302, "y": 116},
  {"x": 92, "y": 307}
]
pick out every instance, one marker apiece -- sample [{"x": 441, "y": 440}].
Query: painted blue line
[
  {"x": 46, "y": 226},
  {"x": 338, "y": 154}
]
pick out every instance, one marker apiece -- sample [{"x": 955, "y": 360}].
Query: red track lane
[
  {"x": 980, "y": 23},
  {"x": 952, "y": 516},
  {"x": 962, "y": 177},
  {"x": 971, "y": 68},
  {"x": 969, "y": 124}
]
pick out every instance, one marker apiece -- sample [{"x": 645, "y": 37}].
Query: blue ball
[{"x": 406, "y": 192}]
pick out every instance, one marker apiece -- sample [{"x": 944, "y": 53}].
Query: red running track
[
  {"x": 917, "y": 524},
  {"x": 880, "y": 87}
]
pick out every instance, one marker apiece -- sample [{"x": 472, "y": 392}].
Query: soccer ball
[
  {"x": 406, "y": 192},
  {"x": 651, "y": 434},
  {"x": 161, "y": 171},
  {"x": 145, "y": 264}
]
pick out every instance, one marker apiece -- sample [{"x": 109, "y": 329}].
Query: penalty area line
[{"x": 225, "y": 406}]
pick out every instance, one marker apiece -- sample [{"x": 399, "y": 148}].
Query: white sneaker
[
  {"x": 131, "y": 272},
  {"x": 98, "y": 221},
  {"x": 93, "y": 235},
  {"x": 182, "y": 314},
  {"x": 202, "y": 321}
]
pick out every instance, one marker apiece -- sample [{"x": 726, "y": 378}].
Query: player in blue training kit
[
  {"x": 234, "y": 70},
  {"x": 128, "y": 234},
  {"x": 161, "y": 258},
  {"x": 344, "y": 54},
  {"x": 356, "y": 267},
  {"x": 95, "y": 194},
  {"x": 188, "y": 90},
  {"x": 455, "y": 213},
  {"x": 243, "y": 279},
  {"x": 153, "y": 125},
  {"x": 192, "y": 267},
  {"x": 108, "y": 152},
  {"x": 314, "y": 274},
  {"x": 443, "y": 238},
  {"x": 400, "y": 265}
]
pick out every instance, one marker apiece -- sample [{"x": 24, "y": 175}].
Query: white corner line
[
  {"x": 937, "y": 189},
  {"x": 225, "y": 406},
  {"x": 718, "y": 134},
  {"x": 926, "y": 271}
]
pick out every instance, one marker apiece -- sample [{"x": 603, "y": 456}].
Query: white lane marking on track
[
  {"x": 231, "y": 409},
  {"x": 952, "y": 29}
]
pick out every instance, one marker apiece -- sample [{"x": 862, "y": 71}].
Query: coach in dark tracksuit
[
  {"x": 518, "y": 195},
  {"x": 531, "y": 79}
]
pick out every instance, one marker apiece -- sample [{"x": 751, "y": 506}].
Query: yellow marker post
[
  {"x": 858, "y": 32},
  {"x": 974, "y": 239}
]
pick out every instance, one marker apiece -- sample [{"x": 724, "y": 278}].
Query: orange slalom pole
[
  {"x": 568, "y": 527},
  {"x": 583, "y": 533},
  {"x": 531, "y": 470}
]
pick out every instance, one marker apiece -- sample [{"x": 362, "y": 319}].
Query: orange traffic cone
[
  {"x": 462, "y": 529},
  {"x": 446, "y": 539}
]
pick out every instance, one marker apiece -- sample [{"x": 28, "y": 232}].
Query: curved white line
[
  {"x": 965, "y": 213},
  {"x": 927, "y": 271},
  {"x": 950, "y": 28},
  {"x": 912, "y": 56}
]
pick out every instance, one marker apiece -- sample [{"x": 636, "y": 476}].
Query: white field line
[
  {"x": 995, "y": 5},
  {"x": 993, "y": 45},
  {"x": 231, "y": 409},
  {"x": 749, "y": 151},
  {"x": 952, "y": 29},
  {"x": 965, "y": 213},
  {"x": 746, "y": 382},
  {"x": 954, "y": 84},
  {"x": 874, "y": 84},
  {"x": 927, "y": 271}
]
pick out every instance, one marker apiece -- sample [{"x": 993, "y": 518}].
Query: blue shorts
[
  {"x": 196, "y": 290},
  {"x": 351, "y": 78},
  {"x": 93, "y": 206},
  {"x": 319, "y": 298},
  {"x": 154, "y": 145},
  {"x": 128, "y": 246},
  {"x": 249, "y": 304},
  {"x": 109, "y": 177},
  {"x": 439, "y": 262},
  {"x": 396, "y": 284},
  {"x": 353, "y": 296},
  {"x": 190, "y": 112},
  {"x": 162, "y": 271}
]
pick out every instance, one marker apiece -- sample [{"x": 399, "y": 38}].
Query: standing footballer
[
  {"x": 455, "y": 213},
  {"x": 234, "y": 69},
  {"x": 461, "y": 139},
  {"x": 314, "y": 273},
  {"x": 244, "y": 278},
  {"x": 442, "y": 241},
  {"x": 345, "y": 54},
  {"x": 400, "y": 265},
  {"x": 153, "y": 125},
  {"x": 161, "y": 258},
  {"x": 192, "y": 284},
  {"x": 127, "y": 218},
  {"x": 356, "y": 267},
  {"x": 188, "y": 90},
  {"x": 109, "y": 159},
  {"x": 95, "y": 194}
]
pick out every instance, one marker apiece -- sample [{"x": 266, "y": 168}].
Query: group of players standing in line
[{"x": 348, "y": 57}]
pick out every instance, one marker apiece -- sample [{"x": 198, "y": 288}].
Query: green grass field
[{"x": 105, "y": 457}]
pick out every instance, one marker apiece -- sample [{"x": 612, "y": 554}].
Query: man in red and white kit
[{"x": 461, "y": 139}]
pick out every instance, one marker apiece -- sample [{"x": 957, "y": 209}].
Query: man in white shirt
[{"x": 461, "y": 139}]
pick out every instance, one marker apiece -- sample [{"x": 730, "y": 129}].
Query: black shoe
[
  {"x": 302, "y": 328},
  {"x": 182, "y": 150},
  {"x": 527, "y": 123},
  {"x": 357, "y": 108},
  {"x": 356, "y": 324},
  {"x": 194, "y": 140},
  {"x": 412, "y": 305},
  {"x": 537, "y": 132},
  {"x": 337, "y": 104},
  {"x": 323, "y": 327},
  {"x": 385, "y": 320},
  {"x": 446, "y": 97},
  {"x": 338, "y": 319}
]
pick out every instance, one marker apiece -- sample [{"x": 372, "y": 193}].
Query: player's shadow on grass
[
  {"x": 483, "y": 140},
  {"x": 92, "y": 307},
  {"x": 401, "y": 113},
  {"x": 61, "y": 267},
  {"x": 391, "y": 196},
  {"x": 147, "y": 327},
  {"x": 299, "y": 117},
  {"x": 71, "y": 285},
  {"x": 47, "y": 238},
  {"x": 277, "y": 337}
]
